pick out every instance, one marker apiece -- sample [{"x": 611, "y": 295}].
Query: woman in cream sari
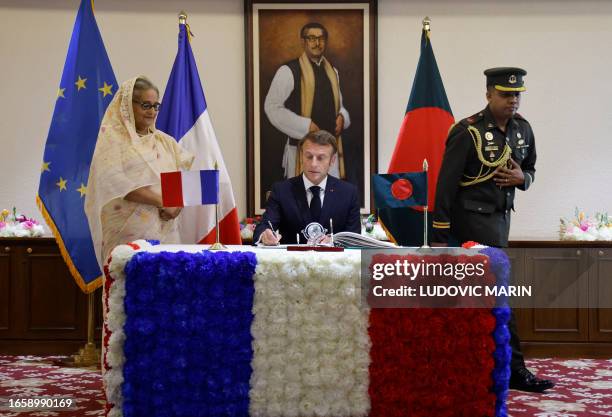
[{"x": 123, "y": 201}]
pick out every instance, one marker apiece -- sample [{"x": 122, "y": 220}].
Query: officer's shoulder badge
[
  {"x": 474, "y": 118},
  {"x": 517, "y": 116}
]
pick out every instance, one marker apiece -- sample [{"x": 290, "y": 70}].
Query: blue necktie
[{"x": 315, "y": 203}]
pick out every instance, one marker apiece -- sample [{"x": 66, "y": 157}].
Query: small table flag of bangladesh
[{"x": 400, "y": 190}]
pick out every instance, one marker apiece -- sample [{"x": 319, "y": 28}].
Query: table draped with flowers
[{"x": 261, "y": 332}]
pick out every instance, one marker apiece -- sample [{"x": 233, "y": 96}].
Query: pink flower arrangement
[
  {"x": 247, "y": 227},
  {"x": 19, "y": 225},
  {"x": 583, "y": 227}
]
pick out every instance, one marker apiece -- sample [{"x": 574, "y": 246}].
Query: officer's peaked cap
[{"x": 506, "y": 78}]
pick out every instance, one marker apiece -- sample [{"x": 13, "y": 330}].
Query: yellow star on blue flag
[
  {"x": 70, "y": 145},
  {"x": 106, "y": 89},
  {"x": 61, "y": 184},
  {"x": 80, "y": 83},
  {"x": 82, "y": 190}
]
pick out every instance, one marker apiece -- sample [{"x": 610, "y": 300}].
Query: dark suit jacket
[{"x": 287, "y": 209}]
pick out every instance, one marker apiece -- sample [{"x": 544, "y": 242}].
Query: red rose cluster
[{"x": 432, "y": 362}]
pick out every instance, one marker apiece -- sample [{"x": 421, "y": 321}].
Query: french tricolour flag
[
  {"x": 184, "y": 115},
  {"x": 189, "y": 188}
]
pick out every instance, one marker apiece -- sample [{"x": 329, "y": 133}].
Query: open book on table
[{"x": 355, "y": 240}]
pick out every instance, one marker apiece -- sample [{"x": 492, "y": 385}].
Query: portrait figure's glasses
[{"x": 314, "y": 39}]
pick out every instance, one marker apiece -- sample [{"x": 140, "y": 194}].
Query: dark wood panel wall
[
  {"x": 582, "y": 276},
  {"x": 42, "y": 310}
]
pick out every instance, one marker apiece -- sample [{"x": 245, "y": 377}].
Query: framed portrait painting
[{"x": 310, "y": 66}]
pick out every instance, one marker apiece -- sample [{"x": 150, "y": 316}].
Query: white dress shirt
[{"x": 308, "y": 184}]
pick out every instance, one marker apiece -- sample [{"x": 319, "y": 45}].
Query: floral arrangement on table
[
  {"x": 372, "y": 228},
  {"x": 427, "y": 342},
  {"x": 18, "y": 225},
  {"x": 267, "y": 336},
  {"x": 583, "y": 227},
  {"x": 247, "y": 227}
]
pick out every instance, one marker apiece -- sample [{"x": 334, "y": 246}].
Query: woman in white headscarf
[{"x": 123, "y": 201}]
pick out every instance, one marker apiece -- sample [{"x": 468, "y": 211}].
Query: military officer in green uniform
[{"x": 487, "y": 157}]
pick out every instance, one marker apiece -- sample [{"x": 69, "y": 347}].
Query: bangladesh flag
[{"x": 422, "y": 136}]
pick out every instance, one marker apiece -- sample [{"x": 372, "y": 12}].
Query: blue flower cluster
[
  {"x": 501, "y": 373},
  {"x": 188, "y": 340}
]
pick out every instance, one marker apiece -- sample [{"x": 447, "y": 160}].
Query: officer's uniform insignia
[{"x": 476, "y": 191}]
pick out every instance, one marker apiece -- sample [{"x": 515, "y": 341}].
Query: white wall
[
  {"x": 140, "y": 38},
  {"x": 564, "y": 45}
]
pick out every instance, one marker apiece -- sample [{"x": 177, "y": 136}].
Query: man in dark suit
[
  {"x": 313, "y": 196},
  {"x": 487, "y": 157}
]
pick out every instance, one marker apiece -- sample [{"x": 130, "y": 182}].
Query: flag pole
[
  {"x": 426, "y": 207},
  {"x": 217, "y": 245},
  {"x": 426, "y": 28},
  {"x": 88, "y": 355}
]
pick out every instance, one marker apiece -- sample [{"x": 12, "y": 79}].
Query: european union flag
[
  {"x": 400, "y": 190},
  {"x": 87, "y": 87}
]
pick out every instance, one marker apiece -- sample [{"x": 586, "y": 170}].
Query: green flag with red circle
[
  {"x": 422, "y": 135},
  {"x": 400, "y": 190}
]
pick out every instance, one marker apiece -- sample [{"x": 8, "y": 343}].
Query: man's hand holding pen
[{"x": 269, "y": 237}]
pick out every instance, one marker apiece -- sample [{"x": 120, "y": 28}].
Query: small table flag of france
[{"x": 190, "y": 188}]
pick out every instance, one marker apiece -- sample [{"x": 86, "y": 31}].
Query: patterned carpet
[
  {"x": 31, "y": 376},
  {"x": 584, "y": 388}
]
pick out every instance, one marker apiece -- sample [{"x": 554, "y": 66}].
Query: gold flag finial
[
  {"x": 426, "y": 23},
  {"x": 425, "y": 165},
  {"x": 182, "y": 17}
]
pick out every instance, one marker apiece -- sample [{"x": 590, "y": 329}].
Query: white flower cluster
[
  {"x": 583, "y": 227},
  {"x": 113, "y": 377},
  {"x": 377, "y": 232},
  {"x": 311, "y": 349},
  {"x": 589, "y": 234},
  {"x": 18, "y": 230},
  {"x": 246, "y": 233},
  {"x": 19, "y": 225}
]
